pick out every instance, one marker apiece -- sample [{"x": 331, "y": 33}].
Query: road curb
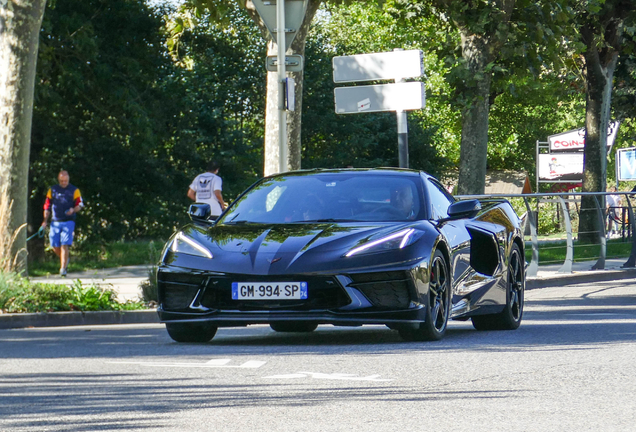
[
  {"x": 62, "y": 319},
  {"x": 149, "y": 316},
  {"x": 579, "y": 277}
]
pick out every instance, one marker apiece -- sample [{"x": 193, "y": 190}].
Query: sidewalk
[
  {"x": 125, "y": 281},
  {"x": 548, "y": 275}
]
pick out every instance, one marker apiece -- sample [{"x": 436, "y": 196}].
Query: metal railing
[{"x": 563, "y": 199}]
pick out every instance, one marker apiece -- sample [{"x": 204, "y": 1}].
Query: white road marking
[
  {"x": 333, "y": 376},
  {"x": 215, "y": 363}
]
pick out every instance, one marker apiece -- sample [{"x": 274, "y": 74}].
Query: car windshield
[{"x": 329, "y": 197}]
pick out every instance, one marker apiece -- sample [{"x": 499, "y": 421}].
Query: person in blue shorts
[{"x": 63, "y": 202}]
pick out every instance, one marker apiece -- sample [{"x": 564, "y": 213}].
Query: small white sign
[
  {"x": 364, "y": 104},
  {"x": 561, "y": 166},
  {"x": 403, "y": 96},
  {"x": 378, "y": 66}
]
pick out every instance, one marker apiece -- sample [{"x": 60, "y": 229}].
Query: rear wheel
[
  {"x": 437, "y": 307},
  {"x": 191, "y": 332},
  {"x": 510, "y": 317},
  {"x": 294, "y": 326}
]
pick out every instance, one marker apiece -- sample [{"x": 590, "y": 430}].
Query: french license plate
[{"x": 269, "y": 290}]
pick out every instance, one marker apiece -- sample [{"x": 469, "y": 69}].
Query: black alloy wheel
[
  {"x": 294, "y": 326},
  {"x": 510, "y": 317},
  {"x": 191, "y": 332},
  {"x": 438, "y": 304}
]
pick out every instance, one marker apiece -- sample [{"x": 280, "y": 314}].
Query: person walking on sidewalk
[
  {"x": 63, "y": 202},
  {"x": 207, "y": 187},
  {"x": 613, "y": 219}
]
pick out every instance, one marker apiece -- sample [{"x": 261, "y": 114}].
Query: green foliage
[
  {"x": 554, "y": 252},
  {"x": 132, "y": 127},
  {"x": 330, "y": 140},
  {"x": 105, "y": 101},
  {"x": 149, "y": 292},
  {"x": 18, "y": 294}
]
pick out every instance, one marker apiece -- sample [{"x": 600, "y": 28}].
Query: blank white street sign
[
  {"x": 382, "y": 97},
  {"x": 378, "y": 66}
]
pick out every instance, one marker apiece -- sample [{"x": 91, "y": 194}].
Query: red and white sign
[
  {"x": 561, "y": 166},
  {"x": 574, "y": 140}
]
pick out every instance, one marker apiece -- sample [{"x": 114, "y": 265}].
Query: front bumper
[
  {"x": 388, "y": 297},
  {"x": 238, "y": 318}
]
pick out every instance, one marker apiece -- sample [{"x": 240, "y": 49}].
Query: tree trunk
[
  {"x": 599, "y": 69},
  {"x": 474, "y": 144},
  {"x": 270, "y": 154},
  {"x": 20, "y": 22}
]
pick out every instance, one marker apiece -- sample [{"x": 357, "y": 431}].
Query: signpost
[
  {"x": 283, "y": 19},
  {"x": 399, "y": 96}
]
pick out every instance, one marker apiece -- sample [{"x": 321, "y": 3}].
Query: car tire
[
  {"x": 437, "y": 304},
  {"x": 191, "y": 332},
  {"x": 294, "y": 326},
  {"x": 510, "y": 317}
]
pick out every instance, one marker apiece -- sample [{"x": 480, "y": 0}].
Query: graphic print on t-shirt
[{"x": 204, "y": 190}]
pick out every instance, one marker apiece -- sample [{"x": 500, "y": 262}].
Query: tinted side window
[{"x": 440, "y": 200}]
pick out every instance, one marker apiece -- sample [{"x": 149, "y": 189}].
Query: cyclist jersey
[{"x": 59, "y": 200}]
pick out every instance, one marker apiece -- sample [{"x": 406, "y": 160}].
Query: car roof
[{"x": 356, "y": 171}]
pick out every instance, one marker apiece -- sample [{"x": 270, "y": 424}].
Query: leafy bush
[
  {"x": 18, "y": 294},
  {"x": 149, "y": 287}
]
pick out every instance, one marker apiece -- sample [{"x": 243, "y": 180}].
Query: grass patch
[
  {"x": 19, "y": 295},
  {"x": 553, "y": 252},
  {"x": 89, "y": 257}
]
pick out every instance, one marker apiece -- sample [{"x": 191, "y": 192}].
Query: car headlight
[
  {"x": 186, "y": 245},
  {"x": 397, "y": 240}
]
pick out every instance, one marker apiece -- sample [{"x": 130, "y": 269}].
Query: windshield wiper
[{"x": 331, "y": 220}]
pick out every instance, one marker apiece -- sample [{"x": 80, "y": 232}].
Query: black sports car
[{"x": 345, "y": 247}]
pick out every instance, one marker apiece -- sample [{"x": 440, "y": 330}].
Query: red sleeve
[
  {"x": 78, "y": 201},
  {"x": 47, "y": 201}
]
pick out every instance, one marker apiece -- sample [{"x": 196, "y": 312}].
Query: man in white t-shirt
[
  {"x": 613, "y": 204},
  {"x": 206, "y": 188}
]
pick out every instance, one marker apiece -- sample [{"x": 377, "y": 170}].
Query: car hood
[{"x": 290, "y": 248}]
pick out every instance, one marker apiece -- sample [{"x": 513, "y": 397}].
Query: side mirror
[
  {"x": 200, "y": 213},
  {"x": 464, "y": 209}
]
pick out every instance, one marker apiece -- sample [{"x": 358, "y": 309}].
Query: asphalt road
[{"x": 570, "y": 367}]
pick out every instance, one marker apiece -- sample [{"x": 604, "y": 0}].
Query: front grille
[
  {"x": 385, "y": 289},
  {"x": 324, "y": 292},
  {"x": 176, "y": 291}
]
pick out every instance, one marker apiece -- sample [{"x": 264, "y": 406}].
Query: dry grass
[{"x": 8, "y": 261}]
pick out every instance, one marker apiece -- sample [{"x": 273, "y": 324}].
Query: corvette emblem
[{"x": 272, "y": 261}]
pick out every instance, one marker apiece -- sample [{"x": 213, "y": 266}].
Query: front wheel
[
  {"x": 299, "y": 327},
  {"x": 191, "y": 332},
  {"x": 437, "y": 305},
  {"x": 510, "y": 317}
]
